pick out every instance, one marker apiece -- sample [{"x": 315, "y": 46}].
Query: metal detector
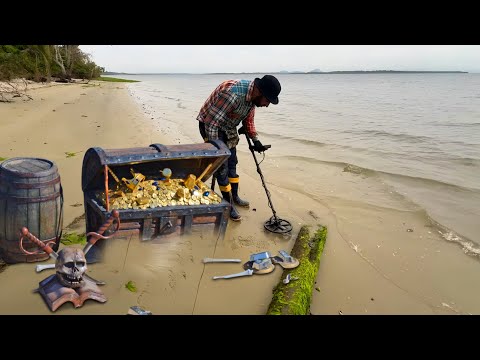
[{"x": 274, "y": 224}]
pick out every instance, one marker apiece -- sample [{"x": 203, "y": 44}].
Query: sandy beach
[{"x": 376, "y": 277}]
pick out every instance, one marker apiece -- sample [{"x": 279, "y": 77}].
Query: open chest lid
[{"x": 182, "y": 159}]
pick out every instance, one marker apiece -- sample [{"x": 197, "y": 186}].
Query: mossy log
[{"x": 294, "y": 298}]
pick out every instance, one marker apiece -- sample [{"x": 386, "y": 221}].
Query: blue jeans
[{"x": 229, "y": 168}]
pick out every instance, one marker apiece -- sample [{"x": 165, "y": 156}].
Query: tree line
[{"x": 44, "y": 63}]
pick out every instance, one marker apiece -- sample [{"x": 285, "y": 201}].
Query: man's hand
[
  {"x": 242, "y": 130},
  {"x": 258, "y": 147}
]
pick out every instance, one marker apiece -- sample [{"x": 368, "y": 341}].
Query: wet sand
[{"x": 371, "y": 264}]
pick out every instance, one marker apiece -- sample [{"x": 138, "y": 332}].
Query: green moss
[
  {"x": 73, "y": 238},
  {"x": 131, "y": 286},
  {"x": 3, "y": 159},
  {"x": 294, "y": 298},
  {"x": 90, "y": 85},
  {"x": 71, "y": 154},
  {"x": 112, "y": 79}
]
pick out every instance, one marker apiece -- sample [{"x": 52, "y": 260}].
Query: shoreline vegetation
[
  {"x": 21, "y": 65},
  {"x": 112, "y": 79}
]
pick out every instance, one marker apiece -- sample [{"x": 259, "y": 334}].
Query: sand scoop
[{"x": 262, "y": 266}]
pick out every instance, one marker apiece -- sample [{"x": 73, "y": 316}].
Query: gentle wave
[
  {"x": 425, "y": 154},
  {"x": 303, "y": 141},
  {"x": 397, "y": 137},
  {"x": 347, "y": 167},
  {"x": 468, "y": 246},
  {"x": 404, "y": 137},
  {"x": 457, "y": 124}
]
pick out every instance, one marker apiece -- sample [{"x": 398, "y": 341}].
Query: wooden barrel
[{"x": 30, "y": 195}]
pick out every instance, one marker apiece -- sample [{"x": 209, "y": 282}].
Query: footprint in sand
[
  {"x": 262, "y": 246},
  {"x": 241, "y": 241},
  {"x": 179, "y": 258},
  {"x": 172, "y": 282},
  {"x": 145, "y": 291}
]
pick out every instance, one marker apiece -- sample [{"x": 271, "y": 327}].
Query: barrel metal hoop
[
  {"x": 19, "y": 185},
  {"x": 27, "y": 200}
]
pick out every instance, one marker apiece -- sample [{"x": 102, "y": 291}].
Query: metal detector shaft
[
  {"x": 274, "y": 224},
  {"x": 251, "y": 147}
]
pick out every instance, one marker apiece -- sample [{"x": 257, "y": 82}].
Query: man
[{"x": 231, "y": 103}]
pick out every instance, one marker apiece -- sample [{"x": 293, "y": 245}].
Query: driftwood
[
  {"x": 11, "y": 89},
  {"x": 294, "y": 298}
]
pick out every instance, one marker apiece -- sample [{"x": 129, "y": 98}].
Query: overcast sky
[{"x": 273, "y": 58}]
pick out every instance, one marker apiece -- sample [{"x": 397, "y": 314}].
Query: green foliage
[
  {"x": 40, "y": 62},
  {"x": 3, "y": 158},
  {"x": 11, "y": 62},
  {"x": 131, "y": 286},
  {"x": 71, "y": 154},
  {"x": 111, "y": 79},
  {"x": 72, "y": 238}
]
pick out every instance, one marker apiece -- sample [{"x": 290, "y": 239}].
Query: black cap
[{"x": 270, "y": 87}]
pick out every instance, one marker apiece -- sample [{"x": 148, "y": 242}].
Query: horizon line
[{"x": 290, "y": 72}]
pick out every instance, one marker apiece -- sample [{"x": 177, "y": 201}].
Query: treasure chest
[{"x": 159, "y": 190}]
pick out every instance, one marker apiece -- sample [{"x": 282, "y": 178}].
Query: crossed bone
[{"x": 94, "y": 237}]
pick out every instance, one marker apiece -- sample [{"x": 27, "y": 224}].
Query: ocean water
[{"x": 411, "y": 140}]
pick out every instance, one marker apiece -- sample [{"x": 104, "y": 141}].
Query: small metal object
[
  {"x": 285, "y": 256},
  {"x": 244, "y": 273},
  {"x": 212, "y": 260},
  {"x": 137, "y": 310},
  {"x": 264, "y": 266},
  {"x": 260, "y": 256},
  {"x": 289, "y": 278}
]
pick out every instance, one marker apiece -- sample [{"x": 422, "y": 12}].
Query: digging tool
[
  {"x": 274, "y": 224},
  {"x": 243, "y": 273},
  {"x": 211, "y": 260},
  {"x": 94, "y": 237},
  {"x": 199, "y": 179}
]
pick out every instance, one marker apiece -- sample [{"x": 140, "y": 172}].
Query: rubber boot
[
  {"x": 236, "y": 198},
  {"x": 234, "y": 215}
]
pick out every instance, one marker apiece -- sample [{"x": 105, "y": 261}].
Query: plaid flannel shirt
[{"x": 226, "y": 107}]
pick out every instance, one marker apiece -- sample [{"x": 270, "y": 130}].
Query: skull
[{"x": 70, "y": 266}]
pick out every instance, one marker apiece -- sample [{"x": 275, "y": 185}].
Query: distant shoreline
[{"x": 303, "y": 73}]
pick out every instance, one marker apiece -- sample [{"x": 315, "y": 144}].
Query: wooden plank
[
  {"x": 147, "y": 230},
  {"x": 205, "y": 219},
  {"x": 187, "y": 224}
]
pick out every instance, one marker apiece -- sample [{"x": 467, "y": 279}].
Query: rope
[{"x": 203, "y": 271}]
